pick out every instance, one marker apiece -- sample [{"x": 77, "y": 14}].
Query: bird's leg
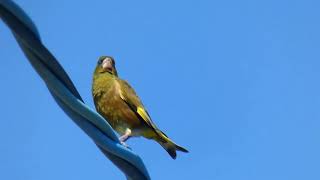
[{"x": 125, "y": 137}]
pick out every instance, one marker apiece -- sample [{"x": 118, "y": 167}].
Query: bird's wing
[{"x": 129, "y": 96}]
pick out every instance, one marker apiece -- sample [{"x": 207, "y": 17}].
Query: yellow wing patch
[{"x": 143, "y": 114}]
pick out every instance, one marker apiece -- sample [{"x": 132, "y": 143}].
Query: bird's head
[{"x": 106, "y": 64}]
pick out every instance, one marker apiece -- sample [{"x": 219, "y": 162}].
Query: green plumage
[{"x": 118, "y": 103}]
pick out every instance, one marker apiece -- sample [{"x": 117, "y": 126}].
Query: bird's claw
[{"x": 125, "y": 145}]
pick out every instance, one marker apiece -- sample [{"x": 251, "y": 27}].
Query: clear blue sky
[{"x": 235, "y": 82}]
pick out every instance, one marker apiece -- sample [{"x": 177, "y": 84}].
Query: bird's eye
[{"x": 100, "y": 61}]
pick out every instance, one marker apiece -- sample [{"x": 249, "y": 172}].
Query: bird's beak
[{"x": 106, "y": 64}]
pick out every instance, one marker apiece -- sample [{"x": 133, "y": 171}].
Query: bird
[{"x": 118, "y": 103}]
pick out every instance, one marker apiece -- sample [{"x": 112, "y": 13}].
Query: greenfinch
[{"x": 118, "y": 103}]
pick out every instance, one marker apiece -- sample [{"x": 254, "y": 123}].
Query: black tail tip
[
  {"x": 172, "y": 151},
  {"x": 179, "y": 148}
]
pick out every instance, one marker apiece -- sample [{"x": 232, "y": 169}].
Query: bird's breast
[{"x": 111, "y": 106}]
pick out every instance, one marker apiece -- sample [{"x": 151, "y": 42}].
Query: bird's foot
[
  {"x": 125, "y": 145},
  {"x": 125, "y": 137}
]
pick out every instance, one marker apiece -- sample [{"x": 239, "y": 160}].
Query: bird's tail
[{"x": 169, "y": 145}]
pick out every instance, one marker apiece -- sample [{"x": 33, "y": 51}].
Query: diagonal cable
[{"x": 66, "y": 95}]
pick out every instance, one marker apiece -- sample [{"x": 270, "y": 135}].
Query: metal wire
[{"x": 66, "y": 95}]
